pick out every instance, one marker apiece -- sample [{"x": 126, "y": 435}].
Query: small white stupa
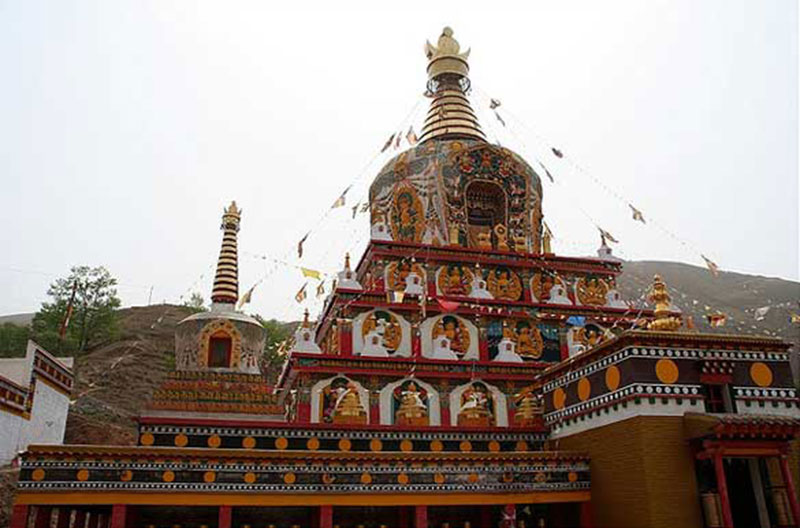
[
  {"x": 373, "y": 341},
  {"x": 479, "y": 290},
  {"x": 558, "y": 295},
  {"x": 414, "y": 284},
  {"x": 304, "y": 338},
  {"x": 442, "y": 350},
  {"x": 506, "y": 348},
  {"x": 347, "y": 277}
]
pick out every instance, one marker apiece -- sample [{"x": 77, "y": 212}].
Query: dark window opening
[
  {"x": 718, "y": 399},
  {"x": 219, "y": 352},
  {"x": 486, "y": 204}
]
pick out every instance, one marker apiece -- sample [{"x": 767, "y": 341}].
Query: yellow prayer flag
[{"x": 314, "y": 274}]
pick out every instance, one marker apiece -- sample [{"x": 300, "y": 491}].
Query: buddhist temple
[{"x": 460, "y": 374}]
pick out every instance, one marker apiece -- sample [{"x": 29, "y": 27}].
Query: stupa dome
[{"x": 454, "y": 188}]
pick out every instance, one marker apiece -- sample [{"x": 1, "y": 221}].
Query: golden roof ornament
[
  {"x": 450, "y": 115},
  {"x": 444, "y": 58},
  {"x": 231, "y": 217},
  {"x": 659, "y": 296}
]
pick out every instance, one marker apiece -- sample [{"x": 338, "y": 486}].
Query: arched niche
[
  {"x": 464, "y": 335},
  {"x": 460, "y": 400},
  {"x": 486, "y": 207},
  {"x": 388, "y": 405},
  {"x": 397, "y": 344},
  {"x": 324, "y": 393},
  {"x": 220, "y": 345}
]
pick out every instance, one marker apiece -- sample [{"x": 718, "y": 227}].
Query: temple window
[
  {"x": 718, "y": 398},
  {"x": 219, "y": 351}
]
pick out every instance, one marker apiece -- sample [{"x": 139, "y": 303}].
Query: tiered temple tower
[{"x": 459, "y": 375}]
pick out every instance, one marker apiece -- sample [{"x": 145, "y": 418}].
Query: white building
[{"x": 34, "y": 400}]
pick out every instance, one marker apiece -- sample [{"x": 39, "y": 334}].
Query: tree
[
  {"x": 277, "y": 333},
  {"x": 195, "y": 302},
  {"x": 13, "y": 340},
  {"x": 94, "y": 311}
]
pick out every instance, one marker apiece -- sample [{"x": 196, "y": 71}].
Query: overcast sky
[{"x": 125, "y": 127}]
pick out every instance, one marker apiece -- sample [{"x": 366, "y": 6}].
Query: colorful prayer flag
[
  {"x": 340, "y": 201},
  {"x": 300, "y": 245},
  {"x": 398, "y": 138},
  {"x": 320, "y": 289},
  {"x": 388, "y": 143},
  {"x": 794, "y": 318},
  {"x": 300, "y": 296},
  {"x": 607, "y": 236},
  {"x": 355, "y": 209},
  {"x": 314, "y": 274},
  {"x": 248, "y": 296},
  {"x": 557, "y": 152},
  {"x": 717, "y": 319},
  {"x": 637, "y": 214},
  {"x": 499, "y": 118},
  {"x": 711, "y": 265},
  {"x": 494, "y": 103}
]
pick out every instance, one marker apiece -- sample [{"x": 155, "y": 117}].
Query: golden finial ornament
[
  {"x": 450, "y": 115},
  {"x": 659, "y": 296},
  {"x": 445, "y": 57}
]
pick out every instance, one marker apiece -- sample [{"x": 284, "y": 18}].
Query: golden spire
[
  {"x": 660, "y": 297},
  {"x": 226, "y": 281},
  {"x": 450, "y": 115}
]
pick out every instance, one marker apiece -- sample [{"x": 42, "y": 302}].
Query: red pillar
[
  {"x": 420, "y": 517},
  {"x": 326, "y": 516},
  {"x": 225, "y": 516},
  {"x": 586, "y": 514},
  {"x": 786, "y": 472},
  {"x": 722, "y": 488},
  {"x": 119, "y": 514},
  {"x": 19, "y": 516},
  {"x": 80, "y": 519},
  {"x": 345, "y": 341},
  {"x": 375, "y": 413},
  {"x": 63, "y": 517},
  {"x": 43, "y": 515}
]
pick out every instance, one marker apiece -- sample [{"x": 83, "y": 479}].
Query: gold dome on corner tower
[{"x": 450, "y": 115}]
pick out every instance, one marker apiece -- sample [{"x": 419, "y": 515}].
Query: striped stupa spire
[
  {"x": 450, "y": 115},
  {"x": 226, "y": 281}
]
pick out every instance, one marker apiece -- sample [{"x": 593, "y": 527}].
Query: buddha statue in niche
[
  {"x": 476, "y": 408},
  {"x": 412, "y": 407},
  {"x": 348, "y": 409}
]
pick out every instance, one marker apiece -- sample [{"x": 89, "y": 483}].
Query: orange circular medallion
[
  {"x": 761, "y": 374},
  {"x": 612, "y": 378},
  {"x": 584, "y": 389},
  {"x": 559, "y": 398},
  {"x": 667, "y": 371}
]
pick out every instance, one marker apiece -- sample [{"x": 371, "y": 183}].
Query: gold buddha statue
[
  {"x": 348, "y": 408},
  {"x": 659, "y": 295},
  {"x": 413, "y": 410}
]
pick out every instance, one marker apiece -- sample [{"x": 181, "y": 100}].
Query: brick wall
[{"x": 642, "y": 474}]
